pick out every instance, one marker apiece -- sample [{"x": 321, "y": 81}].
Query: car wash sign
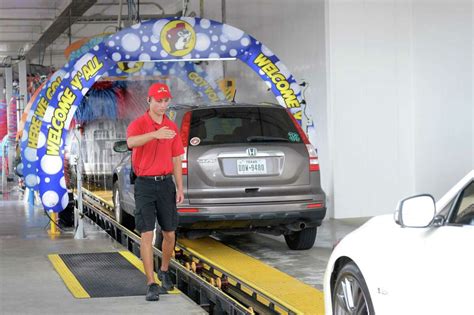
[{"x": 165, "y": 40}]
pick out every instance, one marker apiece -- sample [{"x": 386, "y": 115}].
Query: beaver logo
[{"x": 178, "y": 38}]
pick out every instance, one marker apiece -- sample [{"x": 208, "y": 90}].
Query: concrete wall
[{"x": 400, "y": 100}]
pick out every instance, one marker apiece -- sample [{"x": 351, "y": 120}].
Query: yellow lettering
[
  {"x": 53, "y": 87},
  {"x": 270, "y": 69},
  {"x": 91, "y": 68},
  {"x": 57, "y": 124},
  {"x": 297, "y": 115},
  {"x": 41, "y": 108},
  {"x": 34, "y": 132},
  {"x": 261, "y": 60},
  {"x": 76, "y": 81},
  {"x": 54, "y": 139}
]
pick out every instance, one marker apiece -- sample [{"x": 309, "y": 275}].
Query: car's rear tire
[
  {"x": 302, "y": 240},
  {"x": 350, "y": 294}
]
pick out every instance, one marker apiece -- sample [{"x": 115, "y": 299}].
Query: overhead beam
[{"x": 69, "y": 15}]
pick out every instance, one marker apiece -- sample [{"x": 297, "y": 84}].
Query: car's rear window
[{"x": 243, "y": 125}]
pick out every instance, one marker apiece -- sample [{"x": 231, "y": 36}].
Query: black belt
[{"x": 158, "y": 178}]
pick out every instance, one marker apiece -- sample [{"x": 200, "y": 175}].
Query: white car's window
[{"x": 464, "y": 213}]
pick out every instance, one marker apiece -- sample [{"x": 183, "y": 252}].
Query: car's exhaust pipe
[{"x": 296, "y": 226}]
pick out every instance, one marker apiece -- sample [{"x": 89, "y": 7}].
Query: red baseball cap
[{"x": 159, "y": 91}]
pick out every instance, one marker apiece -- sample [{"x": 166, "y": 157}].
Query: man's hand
[
  {"x": 164, "y": 133},
  {"x": 179, "y": 196}
]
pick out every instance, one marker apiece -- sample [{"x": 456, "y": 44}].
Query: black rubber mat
[{"x": 106, "y": 274}]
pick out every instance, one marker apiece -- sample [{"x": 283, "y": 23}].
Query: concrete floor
[
  {"x": 28, "y": 280},
  {"x": 30, "y": 285}
]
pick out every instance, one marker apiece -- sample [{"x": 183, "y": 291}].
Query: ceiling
[{"x": 40, "y": 30}]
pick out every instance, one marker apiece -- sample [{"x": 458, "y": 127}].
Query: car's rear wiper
[{"x": 264, "y": 138}]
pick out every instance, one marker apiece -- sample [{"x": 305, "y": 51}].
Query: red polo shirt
[{"x": 154, "y": 157}]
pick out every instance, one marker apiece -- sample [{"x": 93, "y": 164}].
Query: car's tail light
[
  {"x": 185, "y": 127},
  {"x": 188, "y": 210},
  {"x": 314, "y": 205},
  {"x": 313, "y": 155}
]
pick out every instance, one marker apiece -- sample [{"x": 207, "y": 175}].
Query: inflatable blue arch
[{"x": 165, "y": 40}]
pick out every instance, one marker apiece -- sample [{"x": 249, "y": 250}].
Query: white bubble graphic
[
  {"x": 202, "y": 42},
  {"x": 41, "y": 139},
  {"x": 28, "y": 165},
  {"x": 24, "y": 136},
  {"x": 111, "y": 43},
  {"x": 214, "y": 55},
  {"x": 283, "y": 69},
  {"x": 62, "y": 182},
  {"x": 223, "y": 38},
  {"x": 136, "y": 26},
  {"x": 267, "y": 51},
  {"x": 233, "y": 52},
  {"x": 19, "y": 168},
  {"x": 154, "y": 39},
  {"x": 157, "y": 27},
  {"x": 231, "y": 32},
  {"x": 47, "y": 180},
  {"x": 127, "y": 56},
  {"x": 145, "y": 39},
  {"x": 50, "y": 198},
  {"x": 51, "y": 164},
  {"x": 261, "y": 72},
  {"x": 48, "y": 114},
  {"x": 295, "y": 87},
  {"x": 144, "y": 57},
  {"x": 67, "y": 75},
  {"x": 280, "y": 100},
  {"x": 245, "y": 41},
  {"x": 30, "y": 180},
  {"x": 116, "y": 56},
  {"x": 148, "y": 65},
  {"x": 131, "y": 42},
  {"x": 153, "y": 48},
  {"x": 172, "y": 71},
  {"x": 191, "y": 21},
  {"x": 223, "y": 47},
  {"x": 163, "y": 54},
  {"x": 269, "y": 84},
  {"x": 30, "y": 154},
  {"x": 214, "y": 38},
  {"x": 84, "y": 91},
  {"x": 205, "y": 23},
  {"x": 64, "y": 200},
  {"x": 96, "y": 47}
]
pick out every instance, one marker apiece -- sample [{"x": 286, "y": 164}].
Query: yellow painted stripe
[
  {"x": 284, "y": 289},
  {"x": 68, "y": 277},
  {"x": 134, "y": 260}
]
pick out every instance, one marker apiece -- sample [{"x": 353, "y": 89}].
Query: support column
[{"x": 23, "y": 90}]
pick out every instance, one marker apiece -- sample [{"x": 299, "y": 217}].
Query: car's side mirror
[
  {"x": 416, "y": 211},
  {"x": 121, "y": 146}
]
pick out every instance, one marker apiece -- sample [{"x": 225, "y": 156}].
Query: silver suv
[{"x": 246, "y": 168}]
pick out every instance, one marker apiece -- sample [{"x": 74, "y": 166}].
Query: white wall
[{"x": 399, "y": 99}]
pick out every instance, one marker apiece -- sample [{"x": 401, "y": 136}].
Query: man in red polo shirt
[{"x": 157, "y": 150}]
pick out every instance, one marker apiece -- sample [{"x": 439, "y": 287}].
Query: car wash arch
[{"x": 163, "y": 40}]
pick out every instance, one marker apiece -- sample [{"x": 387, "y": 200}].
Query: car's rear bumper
[{"x": 252, "y": 216}]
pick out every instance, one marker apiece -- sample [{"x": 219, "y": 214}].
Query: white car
[{"x": 419, "y": 261}]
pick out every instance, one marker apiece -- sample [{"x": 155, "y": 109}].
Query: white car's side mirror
[{"x": 416, "y": 211}]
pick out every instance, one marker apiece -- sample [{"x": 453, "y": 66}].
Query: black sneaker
[
  {"x": 165, "y": 279},
  {"x": 153, "y": 292}
]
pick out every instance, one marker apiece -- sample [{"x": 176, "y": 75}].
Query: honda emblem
[{"x": 251, "y": 152}]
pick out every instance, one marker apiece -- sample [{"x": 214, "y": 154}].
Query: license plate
[{"x": 251, "y": 166}]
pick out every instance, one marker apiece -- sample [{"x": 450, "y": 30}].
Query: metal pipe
[{"x": 119, "y": 20}]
